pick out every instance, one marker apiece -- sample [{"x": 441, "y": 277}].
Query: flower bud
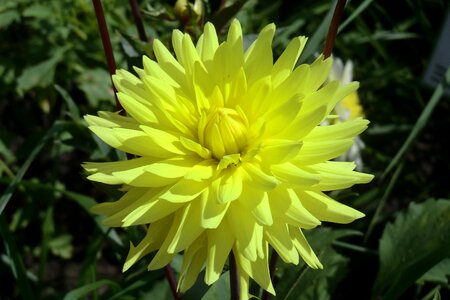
[{"x": 225, "y": 132}]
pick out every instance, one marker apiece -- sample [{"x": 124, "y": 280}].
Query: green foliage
[
  {"x": 403, "y": 257},
  {"x": 53, "y": 71}
]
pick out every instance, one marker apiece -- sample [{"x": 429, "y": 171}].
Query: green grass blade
[
  {"x": 420, "y": 124},
  {"x": 355, "y": 14},
  {"x": 383, "y": 199},
  {"x": 88, "y": 288},
  {"x": 318, "y": 37},
  {"x": 55, "y": 129},
  {"x": 17, "y": 266}
]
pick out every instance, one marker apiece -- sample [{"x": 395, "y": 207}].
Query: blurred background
[{"x": 53, "y": 71}]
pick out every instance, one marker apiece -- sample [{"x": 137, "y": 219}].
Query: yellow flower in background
[
  {"x": 229, "y": 155},
  {"x": 348, "y": 108}
]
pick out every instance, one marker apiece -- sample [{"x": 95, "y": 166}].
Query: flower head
[{"x": 229, "y": 155}]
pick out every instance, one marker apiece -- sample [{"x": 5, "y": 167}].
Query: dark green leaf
[
  {"x": 440, "y": 273},
  {"x": 302, "y": 282},
  {"x": 40, "y": 75},
  {"x": 223, "y": 16},
  {"x": 17, "y": 266},
  {"x": 220, "y": 289},
  {"x": 412, "y": 245},
  {"x": 86, "y": 289}
]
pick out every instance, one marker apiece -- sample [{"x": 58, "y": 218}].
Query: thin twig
[
  {"x": 170, "y": 276},
  {"x": 272, "y": 267},
  {"x": 107, "y": 47},
  {"x": 332, "y": 31},
  {"x": 138, "y": 20},
  {"x": 234, "y": 279}
]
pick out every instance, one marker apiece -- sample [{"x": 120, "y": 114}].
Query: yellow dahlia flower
[{"x": 229, "y": 155}]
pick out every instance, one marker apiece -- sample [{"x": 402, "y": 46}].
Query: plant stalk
[
  {"x": 234, "y": 279},
  {"x": 107, "y": 47},
  {"x": 170, "y": 276},
  {"x": 138, "y": 20},
  {"x": 272, "y": 268},
  {"x": 332, "y": 31}
]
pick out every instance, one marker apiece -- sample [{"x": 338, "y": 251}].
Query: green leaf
[
  {"x": 96, "y": 84},
  {"x": 62, "y": 246},
  {"x": 40, "y": 75},
  {"x": 160, "y": 291},
  {"x": 222, "y": 17},
  {"x": 412, "y": 245},
  {"x": 57, "y": 127},
  {"x": 421, "y": 122},
  {"x": 86, "y": 289},
  {"x": 220, "y": 289},
  {"x": 17, "y": 266},
  {"x": 440, "y": 273},
  {"x": 8, "y": 17},
  {"x": 74, "y": 112},
  {"x": 38, "y": 11},
  {"x": 302, "y": 282}
]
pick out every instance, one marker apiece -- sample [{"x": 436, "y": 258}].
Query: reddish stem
[
  {"x": 107, "y": 47},
  {"x": 234, "y": 279},
  {"x": 138, "y": 20},
  {"x": 332, "y": 31},
  {"x": 170, "y": 276},
  {"x": 272, "y": 267}
]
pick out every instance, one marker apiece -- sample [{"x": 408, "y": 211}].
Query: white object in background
[{"x": 440, "y": 60}]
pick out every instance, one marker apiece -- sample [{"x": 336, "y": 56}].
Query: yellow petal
[
  {"x": 282, "y": 115},
  {"x": 168, "y": 63},
  {"x": 184, "y": 191},
  {"x": 275, "y": 151},
  {"x": 144, "y": 210},
  {"x": 336, "y": 175},
  {"x": 256, "y": 177},
  {"x": 153, "y": 69},
  {"x": 286, "y": 62},
  {"x": 327, "y": 209},
  {"x": 111, "y": 120},
  {"x": 192, "y": 265},
  {"x": 213, "y": 212},
  {"x": 304, "y": 124},
  {"x": 257, "y": 202},
  {"x": 304, "y": 249},
  {"x": 292, "y": 175},
  {"x": 220, "y": 242},
  {"x": 186, "y": 226},
  {"x": 320, "y": 151},
  {"x": 153, "y": 239},
  {"x": 258, "y": 270},
  {"x": 210, "y": 42},
  {"x": 228, "y": 186},
  {"x": 258, "y": 58},
  {"x": 243, "y": 226},
  {"x": 342, "y": 130},
  {"x": 289, "y": 207}
]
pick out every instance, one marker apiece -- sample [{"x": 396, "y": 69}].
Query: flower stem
[
  {"x": 138, "y": 20},
  {"x": 170, "y": 276},
  {"x": 107, "y": 47},
  {"x": 272, "y": 267},
  {"x": 234, "y": 279},
  {"x": 332, "y": 31}
]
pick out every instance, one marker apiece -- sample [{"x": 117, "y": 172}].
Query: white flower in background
[{"x": 348, "y": 108}]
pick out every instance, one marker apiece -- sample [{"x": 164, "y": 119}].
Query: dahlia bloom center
[{"x": 225, "y": 132}]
